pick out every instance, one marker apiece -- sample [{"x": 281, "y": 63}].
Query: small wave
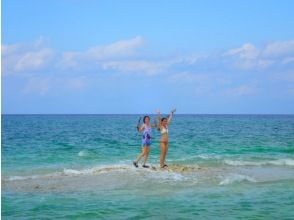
[
  {"x": 243, "y": 163},
  {"x": 13, "y": 178},
  {"x": 199, "y": 156},
  {"x": 83, "y": 153},
  {"x": 99, "y": 169},
  {"x": 167, "y": 176},
  {"x": 70, "y": 172},
  {"x": 285, "y": 162},
  {"x": 279, "y": 162},
  {"x": 237, "y": 178},
  {"x": 209, "y": 156},
  {"x": 73, "y": 172}
]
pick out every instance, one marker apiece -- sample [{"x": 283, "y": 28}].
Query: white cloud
[
  {"x": 189, "y": 59},
  {"x": 249, "y": 57},
  {"x": 125, "y": 56},
  {"x": 35, "y": 56},
  {"x": 68, "y": 60},
  {"x": 246, "y": 57},
  {"x": 33, "y": 60},
  {"x": 198, "y": 74},
  {"x": 138, "y": 66},
  {"x": 151, "y": 67},
  {"x": 279, "y": 49},
  {"x": 116, "y": 49},
  {"x": 119, "y": 49},
  {"x": 25, "y": 57},
  {"x": 247, "y": 52},
  {"x": 9, "y": 49}
]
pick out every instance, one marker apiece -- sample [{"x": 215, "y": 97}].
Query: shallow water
[{"x": 80, "y": 166}]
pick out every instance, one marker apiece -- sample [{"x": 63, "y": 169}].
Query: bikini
[{"x": 163, "y": 131}]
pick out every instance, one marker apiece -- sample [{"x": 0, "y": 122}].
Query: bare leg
[
  {"x": 165, "y": 152},
  {"x": 146, "y": 149},
  {"x": 140, "y": 155},
  {"x": 162, "y": 153}
]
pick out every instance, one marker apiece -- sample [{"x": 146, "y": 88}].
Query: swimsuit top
[
  {"x": 164, "y": 130},
  {"x": 146, "y": 132}
]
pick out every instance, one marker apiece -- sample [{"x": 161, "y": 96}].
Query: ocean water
[{"x": 80, "y": 167}]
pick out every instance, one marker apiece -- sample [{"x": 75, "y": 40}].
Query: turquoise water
[{"x": 79, "y": 166}]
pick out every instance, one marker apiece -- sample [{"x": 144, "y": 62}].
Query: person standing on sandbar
[{"x": 163, "y": 128}]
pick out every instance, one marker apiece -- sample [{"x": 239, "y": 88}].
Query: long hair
[
  {"x": 161, "y": 123},
  {"x": 163, "y": 120}
]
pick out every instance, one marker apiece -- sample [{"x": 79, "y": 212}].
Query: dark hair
[
  {"x": 163, "y": 119},
  {"x": 146, "y": 116}
]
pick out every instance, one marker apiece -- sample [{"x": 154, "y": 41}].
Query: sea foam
[
  {"x": 236, "y": 178},
  {"x": 279, "y": 162}
]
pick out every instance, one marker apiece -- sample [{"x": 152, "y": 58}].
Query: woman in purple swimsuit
[{"x": 146, "y": 141}]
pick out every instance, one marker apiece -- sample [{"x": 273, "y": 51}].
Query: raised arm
[
  {"x": 138, "y": 124},
  {"x": 170, "y": 116},
  {"x": 140, "y": 128},
  {"x": 158, "y": 118},
  {"x": 155, "y": 125}
]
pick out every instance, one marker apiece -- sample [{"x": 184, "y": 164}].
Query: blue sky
[{"x": 135, "y": 56}]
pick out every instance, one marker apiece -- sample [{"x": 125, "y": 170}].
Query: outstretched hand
[
  {"x": 158, "y": 111},
  {"x": 173, "y": 111},
  {"x": 138, "y": 124}
]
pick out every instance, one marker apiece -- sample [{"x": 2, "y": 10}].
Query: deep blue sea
[{"x": 80, "y": 167}]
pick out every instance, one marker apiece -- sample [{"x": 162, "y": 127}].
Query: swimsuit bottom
[{"x": 146, "y": 142}]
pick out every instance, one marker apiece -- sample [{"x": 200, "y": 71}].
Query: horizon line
[{"x": 146, "y": 113}]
